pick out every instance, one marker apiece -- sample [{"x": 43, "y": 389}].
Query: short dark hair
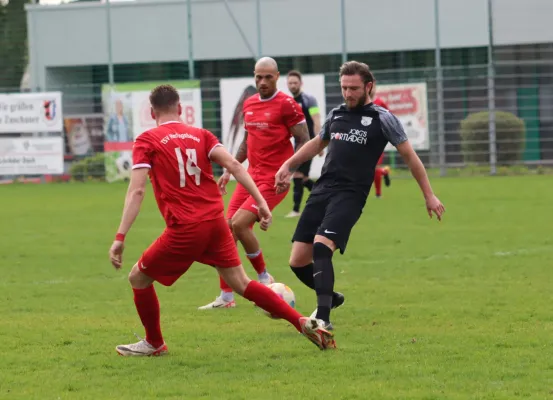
[
  {"x": 295, "y": 73},
  {"x": 357, "y": 68},
  {"x": 164, "y": 98}
]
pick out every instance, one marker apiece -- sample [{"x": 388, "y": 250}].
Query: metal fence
[
  {"x": 464, "y": 91},
  {"x": 454, "y": 93}
]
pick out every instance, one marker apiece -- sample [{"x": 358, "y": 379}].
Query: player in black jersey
[
  {"x": 356, "y": 134},
  {"x": 312, "y": 114}
]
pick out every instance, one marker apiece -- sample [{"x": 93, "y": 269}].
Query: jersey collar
[
  {"x": 270, "y": 98},
  {"x": 170, "y": 122}
]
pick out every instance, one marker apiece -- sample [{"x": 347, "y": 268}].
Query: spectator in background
[{"x": 312, "y": 114}]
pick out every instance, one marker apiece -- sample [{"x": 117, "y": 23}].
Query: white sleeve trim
[
  {"x": 301, "y": 122},
  {"x": 143, "y": 165},
  {"x": 213, "y": 148}
]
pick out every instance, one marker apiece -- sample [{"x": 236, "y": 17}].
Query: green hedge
[
  {"x": 90, "y": 168},
  {"x": 510, "y": 134}
]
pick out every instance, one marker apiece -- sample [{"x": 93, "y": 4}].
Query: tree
[{"x": 13, "y": 44}]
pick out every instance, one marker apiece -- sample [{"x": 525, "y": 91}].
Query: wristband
[{"x": 120, "y": 237}]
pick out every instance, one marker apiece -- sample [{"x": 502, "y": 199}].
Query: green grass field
[{"x": 451, "y": 310}]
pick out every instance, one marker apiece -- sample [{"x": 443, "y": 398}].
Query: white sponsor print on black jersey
[{"x": 354, "y": 136}]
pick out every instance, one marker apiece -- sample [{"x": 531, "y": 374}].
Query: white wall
[{"x": 523, "y": 22}]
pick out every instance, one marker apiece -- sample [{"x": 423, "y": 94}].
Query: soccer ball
[
  {"x": 285, "y": 293},
  {"x": 124, "y": 163}
]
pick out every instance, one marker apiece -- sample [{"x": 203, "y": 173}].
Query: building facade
[{"x": 70, "y": 47}]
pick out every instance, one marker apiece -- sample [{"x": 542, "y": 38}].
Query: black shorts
[
  {"x": 305, "y": 168},
  {"x": 331, "y": 215}
]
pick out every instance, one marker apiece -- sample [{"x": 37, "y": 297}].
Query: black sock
[
  {"x": 308, "y": 184},
  {"x": 323, "y": 272},
  {"x": 298, "y": 193},
  {"x": 305, "y": 274}
]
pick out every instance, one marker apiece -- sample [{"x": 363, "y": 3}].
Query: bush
[
  {"x": 89, "y": 168},
  {"x": 510, "y": 133}
]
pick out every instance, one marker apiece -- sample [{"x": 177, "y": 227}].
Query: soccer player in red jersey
[
  {"x": 380, "y": 172},
  {"x": 271, "y": 118},
  {"x": 177, "y": 158}
]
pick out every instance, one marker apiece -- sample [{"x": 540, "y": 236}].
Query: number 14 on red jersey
[{"x": 191, "y": 166}]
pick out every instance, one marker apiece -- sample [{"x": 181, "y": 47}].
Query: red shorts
[
  {"x": 207, "y": 242},
  {"x": 241, "y": 198}
]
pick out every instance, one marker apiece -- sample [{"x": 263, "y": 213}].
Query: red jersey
[
  {"x": 379, "y": 102},
  {"x": 268, "y": 123},
  {"x": 180, "y": 171}
]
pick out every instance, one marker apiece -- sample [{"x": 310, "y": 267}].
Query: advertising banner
[
  {"x": 84, "y": 134},
  {"x": 31, "y": 112},
  {"x": 408, "y": 101},
  {"x": 127, "y": 115},
  {"x": 31, "y": 156}
]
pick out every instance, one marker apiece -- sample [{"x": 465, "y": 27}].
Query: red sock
[
  {"x": 257, "y": 261},
  {"x": 223, "y": 285},
  {"x": 147, "y": 306},
  {"x": 378, "y": 181},
  {"x": 270, "y": 302}
]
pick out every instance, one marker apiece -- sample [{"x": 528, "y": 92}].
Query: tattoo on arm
[
  {"x": 242, "y": 153},
  {"x": 301, "y": 134}
]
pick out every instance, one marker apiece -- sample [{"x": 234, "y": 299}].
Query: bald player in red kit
[
  {"x": 271, "y": 119},
  {"x": 380, "y": 172},
  {"x": 177, "y": 158}
]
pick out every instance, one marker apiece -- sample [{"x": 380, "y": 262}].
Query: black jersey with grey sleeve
[
  {"x": 357, "y": 138},
  {"x": 310, "y": 107}
]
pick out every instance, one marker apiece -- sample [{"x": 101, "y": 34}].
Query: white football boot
[
  {"x": 314, "y": 330},
  {"x": 141, "y": 349},
  {"x": 293, "y": 214},
  {"x": 218, "y": 303}
]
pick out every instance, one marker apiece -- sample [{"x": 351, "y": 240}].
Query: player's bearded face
[
  {"x": 294, "y": 85},
  {"x": 354, "y": 90},
  {"x": 266, "y": 82}
]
